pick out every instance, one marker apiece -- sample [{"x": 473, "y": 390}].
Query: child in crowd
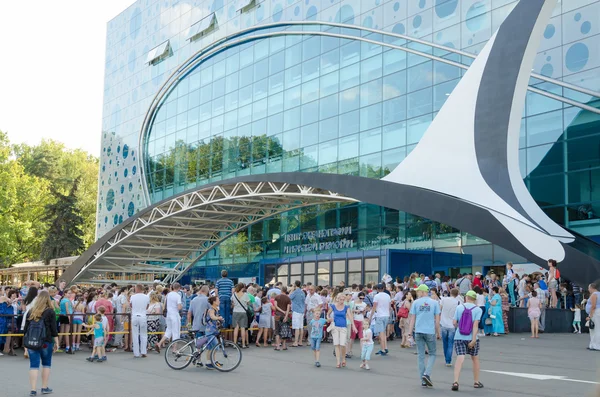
[
  {"x": 100, "y": 330},
  {"x": 77, "y": 324},
  {"x": 534, "y": 312},
  {"x": 316, "y": 334},
  {"x": 366, "y": 345},
  {"x": 265, "y": 322},
  {"x": 105, "y": 325},
  {"x": 577, "y": 319}
]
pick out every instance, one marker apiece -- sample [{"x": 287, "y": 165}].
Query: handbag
[
  {"x": 592, "y": 324},
  {"x": 165, "y": 307},
  {"x": 403, "y": 312},
  {"x": 249, "y": 312},
  {"x": 488, "y": 321}
]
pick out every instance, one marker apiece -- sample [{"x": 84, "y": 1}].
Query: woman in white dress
[{"x": 592, "y": 308}]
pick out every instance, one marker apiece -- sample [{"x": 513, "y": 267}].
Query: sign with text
[{"x": 311, "y": 245}]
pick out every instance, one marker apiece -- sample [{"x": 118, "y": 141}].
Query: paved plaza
[{"x": 554, "y": 365}]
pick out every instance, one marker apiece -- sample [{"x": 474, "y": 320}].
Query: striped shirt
[{"x": 224, "y": 286}]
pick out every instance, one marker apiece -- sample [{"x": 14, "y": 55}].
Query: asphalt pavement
[{"x": 512, "y": 365}]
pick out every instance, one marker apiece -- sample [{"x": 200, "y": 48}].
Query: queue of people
[{"x": 418, "y": 310}]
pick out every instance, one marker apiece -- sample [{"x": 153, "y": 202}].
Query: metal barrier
[{"x": 71, "y": 333}]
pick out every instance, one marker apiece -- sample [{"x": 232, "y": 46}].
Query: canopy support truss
[{"x": 171, "y": 236}]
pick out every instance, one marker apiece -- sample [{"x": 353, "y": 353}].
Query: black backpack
[{"x": 35, "y": 335}]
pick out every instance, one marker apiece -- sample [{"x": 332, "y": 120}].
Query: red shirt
[{"x": 477, "y": 281}]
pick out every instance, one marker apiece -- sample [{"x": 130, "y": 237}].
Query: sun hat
[
  {"x": 471, "y": 294},
  {"x": 423, "y": 287}
]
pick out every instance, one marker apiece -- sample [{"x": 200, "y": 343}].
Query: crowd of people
[{"x": 357, "y": 319}]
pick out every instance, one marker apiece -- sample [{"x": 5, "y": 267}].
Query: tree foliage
[
  {"x": 65, "y": 234},
  {"x": 33, "y": 178}
]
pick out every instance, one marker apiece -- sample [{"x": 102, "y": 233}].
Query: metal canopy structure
[{"x": 171, "y": 236}]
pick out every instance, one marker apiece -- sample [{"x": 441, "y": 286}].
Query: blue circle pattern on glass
[
  {"x": 577, "y": 57},
  {"x": 130, "y": 186},
  {"x": 125, "y": 172},
  {"x": 110, "y": 200},
  {"x": 586, "y": 27},
  {"x": 422, "y": 3},
  {"x": 311, "y": 14},
  {"x": 216, "y": 5},
  {"x": 134, "y": 170},
  {"x": 368, "y": 22},
  {"x": 106, "y": 219},
  {"x": 131, "y": 61},
  {"x": 549, "y": 32},
  {"x": 417, "y": 21},
  {"x": 547, "y": 70},
  {"x": 396, "y": 6},
  {"x": 577, "y": 17},
  {"x": 399, "y": 28},
  {"x": 116, "y": 219},
  {"x": 277, "y": 13},
  {"x": 122, "y": 189},
  {"x": 135, "y": 23},
  {"x": 297, "y": 11},
  {"x": 125, "y": 151},
  {"x": 120, "y": 218},
  {"x": 130, "y": 209},
  {"x": 474, "y": 21},
  {"x": 345, "y": 15},
  {"x": 260, "y": 13},
  {"x": 445, "y": 8}
]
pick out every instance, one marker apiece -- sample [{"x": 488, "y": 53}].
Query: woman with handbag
[
  {"x": 340, "y": 315},
  {"x": 153, "y": 313},
  {"x": 241, "y": 304},
  {"x": 403, "y": 317},
  {"x": 592, "y": 307}
]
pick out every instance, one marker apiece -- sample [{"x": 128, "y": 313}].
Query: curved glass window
[{"x": 290, "y": 103}]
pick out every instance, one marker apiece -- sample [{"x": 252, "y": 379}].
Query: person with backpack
[
  {"x": 41, "y": 340},
  {"x": 448, "y": 307},
  {"x": 466, "y": 321}
]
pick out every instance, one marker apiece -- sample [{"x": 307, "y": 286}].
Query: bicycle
[{"x": 225, "y": 356}]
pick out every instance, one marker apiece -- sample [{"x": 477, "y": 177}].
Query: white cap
[
  {"x": 477, "y": 273},
  {"x": 426, "y": 278}
]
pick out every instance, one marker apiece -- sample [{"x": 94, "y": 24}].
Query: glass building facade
[{"x": 204, "y": 91}]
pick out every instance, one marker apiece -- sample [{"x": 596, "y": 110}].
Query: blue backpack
[{"x": 465, "y": 325}]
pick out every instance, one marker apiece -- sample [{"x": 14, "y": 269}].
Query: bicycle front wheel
[
  {"x": 179, "y": 353},
  {"x": 226, "y": 356}
]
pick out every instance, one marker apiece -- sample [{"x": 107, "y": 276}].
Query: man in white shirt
[
  {"x": 448, "y": 305},
  {"x": 139, "y": 325},
  {"x": 381, "y": 311},
  {"x": 312, "y": 302},
  {"x": 174, "y": 305}
]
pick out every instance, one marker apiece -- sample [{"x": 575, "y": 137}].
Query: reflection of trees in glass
[
  {"x": 199, "y": 161},
  {"x": 237, "y": 245}
]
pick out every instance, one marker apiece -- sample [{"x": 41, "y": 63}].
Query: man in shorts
[
  {"x": 381, "y": 312},
  {"x": 467, "y": 344},
  {"x": 298, "y": 308}
]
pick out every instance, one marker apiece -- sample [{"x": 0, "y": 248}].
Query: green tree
[
  {"x": 65, "y": 235},
  {"x": 52, "y": 161},
  {"x": 22, "y": 201}
]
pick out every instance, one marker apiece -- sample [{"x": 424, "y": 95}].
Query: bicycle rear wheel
[
  {"x": 226, "y": 356},
  {"x": 179, "y": 354}
]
